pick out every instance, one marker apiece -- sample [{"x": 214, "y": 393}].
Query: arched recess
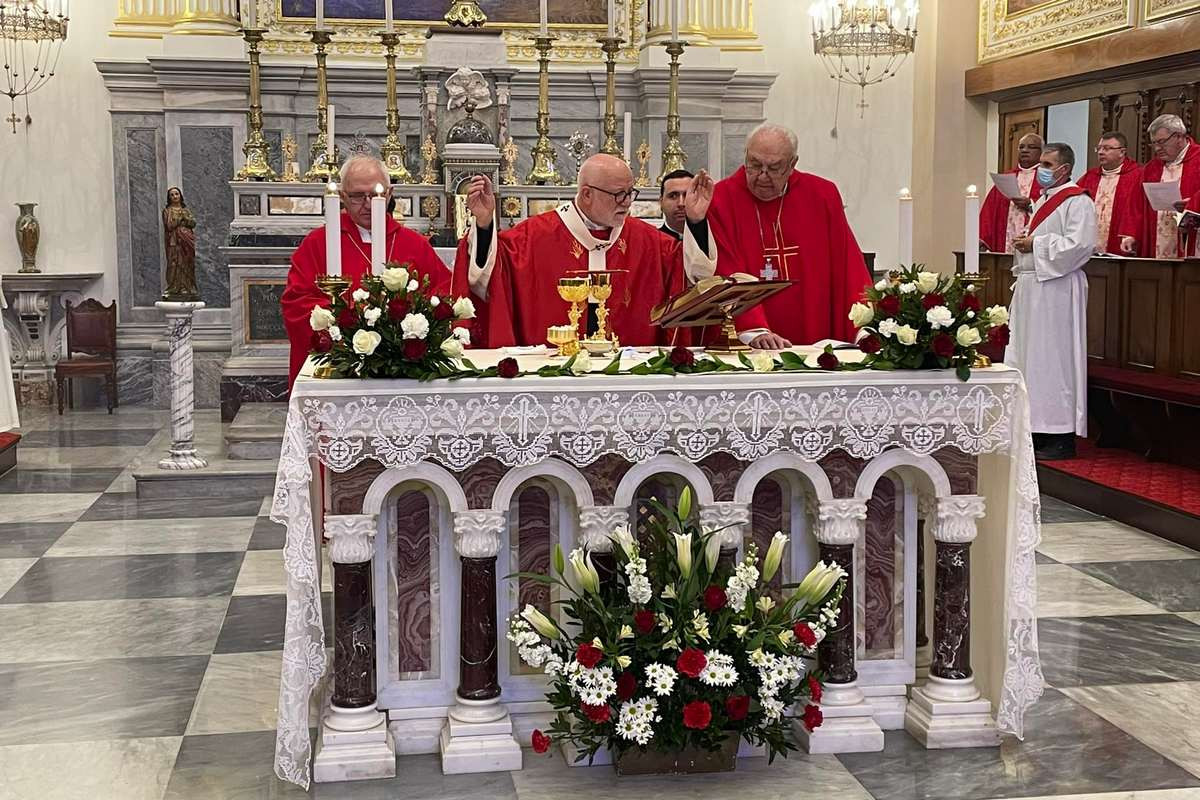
[{"x": 667, "y": 464}]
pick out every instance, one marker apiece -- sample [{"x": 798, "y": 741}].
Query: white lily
[
  {"x": 540, "y": 622},
  {"x": 683, "y": 553},
  {"x": 774, "y": 556}
]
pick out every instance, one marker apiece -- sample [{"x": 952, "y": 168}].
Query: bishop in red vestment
[
  {"x": 1114, "y": 184},
  {"x": 514, "y": 275},
  {"x": 359, "y": 177},
  {"x": 773, "y": 222},
  {"x": 1155, "y": 234},
  {"x": 1000, "y": 219}
]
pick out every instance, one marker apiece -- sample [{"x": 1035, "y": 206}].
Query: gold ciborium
[
  {"x": 575, "y": 291},
  {"x": 565, "y": 338}
]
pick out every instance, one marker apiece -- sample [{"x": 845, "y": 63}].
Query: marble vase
[{"x": 29, "y": 231}]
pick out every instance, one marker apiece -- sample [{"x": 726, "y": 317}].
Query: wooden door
[
  {"x": 1104, "y": 311},
  {"x": 1014, "y": 125}
]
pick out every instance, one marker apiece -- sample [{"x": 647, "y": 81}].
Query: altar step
[
  {"x": 8, "y": 451},
  {"x": 223, "y": 477},
  {"x": 256, "y": 432}
]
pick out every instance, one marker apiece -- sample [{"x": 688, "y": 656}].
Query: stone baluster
[
  {"x": 355, "y": 743},
  {"x": 926, "y": 524},
  {"x": 477, "y": 737},
  {"x": 849, "y": 726},
  {"x": 595, "y": 525},
  {"x": 732, "y": 519},
  {"x": 947, "y": 710}
]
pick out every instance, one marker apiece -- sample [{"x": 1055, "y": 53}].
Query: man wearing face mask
[{"x": 1048, "y": 313}]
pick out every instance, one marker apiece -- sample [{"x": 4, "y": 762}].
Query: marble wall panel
[
  {"x": 348, "y": 488},
  {"x": 135, "y": 380},
  {"x": 206, "y": 375},
  {"x": 413, "y": 587},
  {"x": 533, "y": 541},
  {"x": 275, "y": 156},
  {"x": 145, "y": 215},
  {"x": 603, "y": 475},
  {"x": 768, "y": 514},
  {"x": 722, "y": 471},
  {"x": 207, "y": 164},
  {"x": 733, "y": 153},
  {"x": 238, "y": 389},
  {"x": 961, "y": 468},
  {"x": 479, "y": 481},
  {"x": 881, "y": 579},
  {"x": 696, "y": 147}
]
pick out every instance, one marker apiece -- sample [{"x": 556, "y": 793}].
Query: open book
[{"x": 715, "y": 300}]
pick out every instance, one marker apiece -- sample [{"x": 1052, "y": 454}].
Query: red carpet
[{"x": 1167, "y": 484}]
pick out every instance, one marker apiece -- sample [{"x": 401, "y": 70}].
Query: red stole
[{"x": 1053, "y": 202}]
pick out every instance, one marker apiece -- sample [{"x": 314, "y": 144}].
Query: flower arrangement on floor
[
  {"x": 915, "y": 319},
  {"x": 676, "y": 649}
]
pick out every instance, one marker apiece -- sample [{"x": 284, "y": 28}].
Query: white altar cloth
[{"x": 340, "y": 423}]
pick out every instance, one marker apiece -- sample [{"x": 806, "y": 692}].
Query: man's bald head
[
  {"x": 360, "y": 177},
  {"x": 770, "y": 159},
  {"x": 603, "y": 180},
  {"x": 1029, "y": 150}
]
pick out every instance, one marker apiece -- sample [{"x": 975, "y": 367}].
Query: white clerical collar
[
  {"x": 363, "y": 233},
  {"x": 577, "y": 225},
  {"x": 591, "y": 226},
  {"x": 1114, "y": 171},
  {"x": 1057, "y": 189},
  {"x": 1182, "y": 154},
  {"x": 1027, "y": 170}
]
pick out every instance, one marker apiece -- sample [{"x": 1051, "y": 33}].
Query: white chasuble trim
[
  {"x": 479, "y": 277},
  {"x": 597, "y": 249}
]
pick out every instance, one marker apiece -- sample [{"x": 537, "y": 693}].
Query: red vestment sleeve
[
  {"x": 300, "y": 295},
  {"x": 993, "y": 221}
]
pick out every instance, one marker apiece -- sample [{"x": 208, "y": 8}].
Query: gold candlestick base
[
  {"x": 673, "y": 157},
  {"x": 257, "y": 151},
  {"x": 332, "y": 286}
]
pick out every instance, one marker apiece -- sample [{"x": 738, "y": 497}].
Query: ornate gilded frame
[
  {"x": 1051, "y": 24},
  {"x": 1155, "y": 10}
]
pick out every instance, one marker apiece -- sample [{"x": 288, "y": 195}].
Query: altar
[{"x": 432, "y": 492}]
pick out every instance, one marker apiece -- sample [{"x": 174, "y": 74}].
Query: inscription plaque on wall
[{"x": 261, "y": 315}]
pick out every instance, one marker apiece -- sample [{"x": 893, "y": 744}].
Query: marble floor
[{"x": 140, "y": 648}]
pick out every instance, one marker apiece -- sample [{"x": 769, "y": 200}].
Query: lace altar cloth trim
[{"x": 525, "y": 421}]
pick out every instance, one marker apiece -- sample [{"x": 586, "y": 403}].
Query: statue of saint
[{"x": 179, "y": 232}]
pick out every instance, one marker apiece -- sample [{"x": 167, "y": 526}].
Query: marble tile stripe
[
  {"x": 1079, "y": 542},
  {"x": 1172, "y": 585},
  {"x": 1095, "y": 651},
  {"x": 1064, "y": 591},
  {"x": 136, "y": 768},
  {"x": 126, "y": 577}
]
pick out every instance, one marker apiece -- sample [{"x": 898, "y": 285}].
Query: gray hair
[
  {"x": 1066, "y": 154},
  {"x": 1167, "y": 122},
  {"x": 777, "y": 130},
  {"x": 360, "y": 162},
  {"x": 1040, "y": 141}
]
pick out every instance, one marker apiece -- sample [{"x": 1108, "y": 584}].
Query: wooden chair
[{"x": 92, "y": 332}]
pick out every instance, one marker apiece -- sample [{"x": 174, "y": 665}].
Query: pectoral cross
[
  {"x": 779, "y": 253},
  {"x": 769, "y": 273}
]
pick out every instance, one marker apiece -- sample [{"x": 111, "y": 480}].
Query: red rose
[
  {"x": 321, "y": 342},
  {"x": 932, "y": 301},
  {"x": 998, "y": 336},
  {"x": 813, "y": 717},
  {"x": 682, "y": 357},
  {"x": 970, "y": 303},
  {"x": 804, "y": 634},
  {"x": 715, "y": 598},
  {"x": 644, "y": 621},
  {"x": 588, "y": 655},
  {"x": 814, "y": 689},
  {"x": 541, "y": 742},
  {"x": 348, "y": 318},
  {"x": 397, "y": 308},
  {"x": 737, "y": 706},
  {"x": 691, "y": 662},
  {"x": 626, "y": 686},
  {"x": 443, "y": 310},
  {"x": 599, "y": 714},
  {"x": 415, "y": 349},
  {"x": 870, "y": 344},
  {"x": 828, "y": 361},
  {"x": 697, "y": 714},
  {"x": 890, "y": 304},
  {"x": 508, "y": 368},
  {"x": 943, "y": 345}
]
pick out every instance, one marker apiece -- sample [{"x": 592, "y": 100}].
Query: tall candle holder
[
  {"x": 256, "y": 149},
  {"x": 392, "y": 151},
  {"x": 323, "y": 168},
  {"x": 545, "y": 166},
  {"x": 673, "y": 156},
  {"x": 610, "y": 45}
]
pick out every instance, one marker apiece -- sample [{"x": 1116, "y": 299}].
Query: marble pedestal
[
  {"x": 354, "y": 744},
  {"x": 950, "y": 713},
  {"x": 848, "y": 727},
  {"x": 478, "y": 737},
  {"x": 182, "y": 453}
]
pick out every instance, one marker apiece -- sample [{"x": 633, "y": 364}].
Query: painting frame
[
  {"x": 1050, "y": 24},
  {"x": 1158, "y": 10}
]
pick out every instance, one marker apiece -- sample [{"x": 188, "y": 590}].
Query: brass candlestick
[
  {"x": 322, "y": 168},
  {"x": 392, "y": 151},
  {"x": 545, "y": 166},
  {"x": 611, "y": 45},
  {"x": 256, "y": 149},
  {"x": 673, "y": 157},
  {"x": 332, "y": 286}
]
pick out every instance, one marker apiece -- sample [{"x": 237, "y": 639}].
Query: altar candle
[
  {"x": 612, "y": 19},
  {"x": 906, "y": 228},
  {"x": 389, "y": 17},
  {"x": 674, "y": 20},
  {"x": 333, "y": 231},
  {"x": 544, "y": 30},
  {"x": 251, "y": 12},
  {"x": 329, "y": 142},
  {"x": 971, "y": 238},
  {"x": 378, "y": 230},
  {"x": 320, "y": 15},
  {"x": 628, "y": 134}
]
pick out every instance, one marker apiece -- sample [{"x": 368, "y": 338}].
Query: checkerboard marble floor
[{"x": 140, "y": 647}]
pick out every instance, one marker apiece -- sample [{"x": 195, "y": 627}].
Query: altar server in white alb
[{"x": 1048, "y": 315}]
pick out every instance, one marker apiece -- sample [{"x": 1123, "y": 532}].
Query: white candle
[
  {"x": 545, "y": 23},
  {"x": 612, "y": 18},
  {"x": 333, "y": 231},
  {"x": 320, "y": 15},
  {"x": 329, "y": 143},
  {"x": 628, "y": 135},
  {"x": 250, "y": 13},
  {"x": 906, "y": 228},
  {"x": 971, "y": 237},
  {"x": 674, "y": 20},
  {"x": 389, "y": 17},
  {"x": 378, "y": 231}
]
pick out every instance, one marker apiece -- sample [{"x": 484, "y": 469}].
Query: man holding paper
[
  {"x": 1171, "y": 177},
  {"x": 1114, "y": 184},
  {"x": 1005, "y": 212}
]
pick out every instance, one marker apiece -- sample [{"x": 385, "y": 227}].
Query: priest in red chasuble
[
  {"x": 771, "y": 221},
  {"x": 514, "y": 274},
  {"x": 1155, "y": 234},
  {"x": 1114, "y": 183},
  {"x": 1001, "y": 220},
  {"x": 359, "y": 176}
]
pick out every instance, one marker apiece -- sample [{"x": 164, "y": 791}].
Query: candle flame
[
  {"x": 972, "y": 190},
  {"x": 379, "y": 188},
  {"x": 331, "y": 187},
  {"x": 905, "y": 194}
]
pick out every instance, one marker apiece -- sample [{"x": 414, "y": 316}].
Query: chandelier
[
  {"x": 31, "y": 37},
  {"x": 863, "y": 42}
]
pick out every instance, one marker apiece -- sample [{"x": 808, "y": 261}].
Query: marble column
[
  {"x": 354, "y": 742},
  {"x": 477, "y": 736},
  {"x": 947, "y": 710},
  {"x": 849, "y": 726},
  {"x": 595, "y": 525},
  {"x": 182, "y": 453},
  {"x": 731, "y": 520},
  {"x": 926, "y": 524}
]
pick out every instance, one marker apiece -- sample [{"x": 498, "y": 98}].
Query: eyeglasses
[
  {"x": 618, "y": 197},
  {"x": 1161, "y": 142},
  {"x": 774, "y": 171},
  {"x": 1104, "y": 148},
  {"x": 358, "y": 197}
]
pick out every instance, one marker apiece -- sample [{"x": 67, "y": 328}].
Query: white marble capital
[
  {"x": 597, "y": 522},
  {"x": 841, "y": 521},
  {"x": 957, "y": 515},
  {"x": 730, "y": 519},
  {"x": 477, "y": 533},
  {"x": 351, "y": 537}
]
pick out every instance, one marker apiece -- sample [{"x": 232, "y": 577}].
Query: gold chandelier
[
  {"x": 863, "y": 42},
  {"x": 31, "y": 37}
]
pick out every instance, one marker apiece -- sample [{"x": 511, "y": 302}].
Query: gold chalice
[
  {"x": 574, "y": 291},
  {"x": 600, "y": 290},
  {"x": 565, "y": 338}
]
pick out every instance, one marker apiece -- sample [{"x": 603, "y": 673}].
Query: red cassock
[
  {"x": 301, "y": 294},
  {"x": 1129, "y": 190},
  {"x": 807, "y": 239},
  {"x": 993, "y": 216},
  {"x": 522, "y": 290},
  {"x": 1142, "y": 221}
]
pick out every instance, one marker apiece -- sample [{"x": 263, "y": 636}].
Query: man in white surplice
[
  {"x": 1048, "y": 315},
  {"x": 8, "y": 397}
]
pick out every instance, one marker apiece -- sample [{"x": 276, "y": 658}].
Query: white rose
[
  {"x": 906, "y": 335},
  {"x": 998, "y": 315},
  {"x": 435, "y": 301},
  {"x": 414, "y": 326},
  {"x": 762, "y": 362},
  {"x": 360, "y": 295},
  {"x": 927, "y": 281},
  {"x": 967, "y": 336},
  {"x": 452, "y": 347},
  {"x": 888, "y": 327},
  {"x": 861, "y": 314},
  {"x": 462, "y": 334},
  {"x": 907, "y": 288},
  {"x": 413, "y": 286},
  {"x": 395, "y": 278},
  {"x": 883, "y": 285},
  {"x": 371, "y": 315},
  {"x": 365, "y": 342},
  {"x": 939, "y": 317},
  {"x": 335, "y": 333},
  {"x": 320, "y": 318},
  {"x": 582, "y": 363},
  {"x": 464, "y": 308}
]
